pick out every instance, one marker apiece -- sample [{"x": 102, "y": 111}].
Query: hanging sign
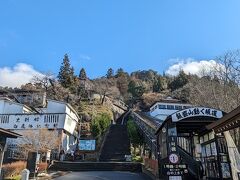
[{"x": 197, "y": 111}]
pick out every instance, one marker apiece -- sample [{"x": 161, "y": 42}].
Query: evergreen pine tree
[
  {"x": 83, "y": 74},
  {"x": 157, "y": 84},
  {"x": 120, "y": 72},
  {"x": 136, "y": 90},
  {"x": 66, "y": 73},
  {"x": 179, "y": 81},
  {"x": 110, "y": 73}
]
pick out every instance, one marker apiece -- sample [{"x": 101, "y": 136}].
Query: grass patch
[
  {"x": 13, "y": 178},
  {"x": 13, "y": 169}
]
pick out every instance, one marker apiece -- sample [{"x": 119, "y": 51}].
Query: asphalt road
[{"x": 103, "y": 175}]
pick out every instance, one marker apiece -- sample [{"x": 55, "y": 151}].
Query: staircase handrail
[
  {"x": 195, "y": 167},
  {"x": 103, "y": 142}
]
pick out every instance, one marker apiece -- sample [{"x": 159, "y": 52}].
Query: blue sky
[{"x": 132, "y": 34}]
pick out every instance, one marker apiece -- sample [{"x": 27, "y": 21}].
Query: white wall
[
  {"x": 70, "y": 124},
  {"x": 55, "y": 107},
  {"x": 71, "y": 113},
  {"x": 67, "y": 141},
  {"x": 1, "y": 107},
  {"x": 59, "y": 107},
  {"x": 8, "y": 107},
  {"x": 162, "y": 114},
  {"x": 32, "y": 121}
]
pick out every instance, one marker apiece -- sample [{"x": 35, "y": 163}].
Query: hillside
[{"x": 215, "y": 88}]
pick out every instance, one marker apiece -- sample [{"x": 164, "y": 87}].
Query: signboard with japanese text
[
  {"x": 87, "y": 145},
  {"x": 172, "y": 144},
  {"x": 196, "y": 111},
  {"x": 32, "y": 121},
  {"x": 175, "y": 169}
]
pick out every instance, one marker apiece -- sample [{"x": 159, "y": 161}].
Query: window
[
  {"x": 170, "y": 107},
  {"x": 206, "y": 137},
  {"x": 213, "y": 148},
  {"x": 161, "y": 106},
  {"x": 211, "y": 135},
  {"x": 178, "y": 107},
  {"x": 184, "y": 143},
  {"x": 208, "y": 150},
  {"x": 186, "y": 107}
]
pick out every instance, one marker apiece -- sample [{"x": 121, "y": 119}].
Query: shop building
[
  {"x": 56, "y": 116},
  {"x": 187, "y": 149}
]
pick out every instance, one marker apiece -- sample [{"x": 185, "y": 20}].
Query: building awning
[
  {"x": 227, "y": 122},
  {"x": 194, "y": 119},
  {"x": 8, "y": 134}
]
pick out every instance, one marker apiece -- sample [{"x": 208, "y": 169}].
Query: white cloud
[
  {"x": 191, "y": 66},
  {"x": 16, "y": 76},
  {"x": 84, "y": 57}
]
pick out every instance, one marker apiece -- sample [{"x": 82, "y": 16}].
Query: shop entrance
[{"x": 203, "y": 153}]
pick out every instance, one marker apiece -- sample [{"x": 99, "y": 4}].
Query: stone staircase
[{"x": 116, "y": 145}]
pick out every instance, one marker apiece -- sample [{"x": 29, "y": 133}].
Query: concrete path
[{"x": 103, "y": 175}]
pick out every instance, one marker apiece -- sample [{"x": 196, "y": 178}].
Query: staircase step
[{"x": 117, "y": 144}]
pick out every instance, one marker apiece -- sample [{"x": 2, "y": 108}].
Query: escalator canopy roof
[{"x": 193, "y": 119}]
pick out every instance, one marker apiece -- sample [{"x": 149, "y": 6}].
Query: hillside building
[
  {"x": 163, "y": 108},
  {"x": 57, "y": 115}
]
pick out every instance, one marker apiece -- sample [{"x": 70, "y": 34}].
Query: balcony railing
[{"x": 33, "y": 121}]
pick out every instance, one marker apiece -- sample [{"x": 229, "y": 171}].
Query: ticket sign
[{"x": 175, "y": 169}]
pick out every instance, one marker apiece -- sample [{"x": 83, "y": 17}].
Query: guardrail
[{"x": 148, "y": 130}]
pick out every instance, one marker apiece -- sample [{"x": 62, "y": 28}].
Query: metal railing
[{"x": 147, "y": 131}]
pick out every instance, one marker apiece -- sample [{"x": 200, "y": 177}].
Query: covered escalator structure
[{"x": 189, "y": 150}]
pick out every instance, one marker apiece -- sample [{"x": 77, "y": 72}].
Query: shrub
[
  {"x": 13, "y": 169},
  {"x": 137, "y": 159}
]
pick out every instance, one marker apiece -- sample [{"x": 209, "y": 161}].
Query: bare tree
[
  {"x": 218, "y": 87},
  {"x": 40, "y": 140},
  {"x": 43, "y": 81},
  {"x": 106, "y": 87}
]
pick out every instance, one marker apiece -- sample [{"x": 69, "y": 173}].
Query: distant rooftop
[{"x": 168, "y": 100}]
